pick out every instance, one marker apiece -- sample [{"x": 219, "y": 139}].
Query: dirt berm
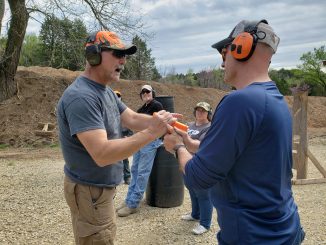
[{"x": 41, "y": 87}]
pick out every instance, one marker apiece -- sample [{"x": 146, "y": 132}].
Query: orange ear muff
[{"x": 243, "y": 46}]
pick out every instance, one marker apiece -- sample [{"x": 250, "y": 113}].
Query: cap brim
[
  {"x": 221, "y": 44},
  {"x": 128, "y": 50},
  {"x": 201, "y": 107},
  {"x": 131, "y": 50}
]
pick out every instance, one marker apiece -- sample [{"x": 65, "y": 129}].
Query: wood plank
[
  {"x": 295, "y": 146},
  {"x": 44, "y": 133},
  {"x": 41, "y": 125},
  {"x": 45, "y": 128},
  {"x": 300, "y": 104},
  {"x": 296, "y": 138},
  {"x": 294, "y": 157},
  {"x": 316, "y": 163},
  {"x": 297, "y": 112},
  {"x": 308, "y": 181}
]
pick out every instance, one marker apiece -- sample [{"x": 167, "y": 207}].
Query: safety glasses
[
  {"x": 224, "y": 51},
  {"x": 145, "y": 91},
  {"x": 119, "y": 54}
]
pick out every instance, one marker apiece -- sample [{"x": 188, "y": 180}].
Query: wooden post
[
  {"x": 316, "y": 163},
  {"x": 300, "y": 106}
]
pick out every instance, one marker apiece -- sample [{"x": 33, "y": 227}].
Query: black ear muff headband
[{"x": 93, "y": 52}]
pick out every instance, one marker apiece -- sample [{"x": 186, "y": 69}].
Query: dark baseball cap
[{"x": 264, "y": 32}]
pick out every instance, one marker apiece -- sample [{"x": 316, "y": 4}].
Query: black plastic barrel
[
  {"x": 167, "y": 102},
  {"x": 165, "y": 188}
]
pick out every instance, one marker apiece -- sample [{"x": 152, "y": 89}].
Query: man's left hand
[{"x": 171, "y": 140}]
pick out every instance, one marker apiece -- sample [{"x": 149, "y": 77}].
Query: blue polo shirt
[{"x": 246, "y": 157}]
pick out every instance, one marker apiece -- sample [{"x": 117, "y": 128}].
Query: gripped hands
[{"x": 159, "y": 123}]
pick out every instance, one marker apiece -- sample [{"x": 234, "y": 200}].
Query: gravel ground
[{"x": 33, "y": 209}]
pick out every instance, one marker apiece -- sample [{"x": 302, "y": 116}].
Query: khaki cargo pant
[{"x": 92, "y": 213}]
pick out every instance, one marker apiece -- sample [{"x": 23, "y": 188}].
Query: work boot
[
  {"x": 126, "y": 211},
  {"x": 122, "y": 205}
]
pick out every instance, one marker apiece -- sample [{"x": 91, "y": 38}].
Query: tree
[
  {"x": 141, "y": 65},
  {"x": 108, "y": 14},
  {"x": 2, "y": 10},
  {"x": 62, "y": 43},
  {"x": 312, "y": 68},
  {"x": 31, "y": 53},
  {"x": 10, "y": 58},
  {"x": 190, "y": 78},
  {"x": 212, "y": 79},
  {"x": 281, "y": 79}
]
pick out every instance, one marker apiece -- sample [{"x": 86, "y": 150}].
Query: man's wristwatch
[{"x": 177, "y": 147}]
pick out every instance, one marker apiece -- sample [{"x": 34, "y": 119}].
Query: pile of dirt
[{"x": 41, "y": 87}]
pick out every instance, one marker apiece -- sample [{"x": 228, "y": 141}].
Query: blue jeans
[
  {"x": 126, "y": 169},
  {"x": 202, "y": 207},
  {"x": 140, "y": 170}
]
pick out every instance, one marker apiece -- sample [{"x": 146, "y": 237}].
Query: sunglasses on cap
[
  {"x": 145, "y": 91},
  {"x": 119, "y": 54}
]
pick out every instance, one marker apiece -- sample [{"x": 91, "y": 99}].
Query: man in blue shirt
[{"x": 246, "y": 156}]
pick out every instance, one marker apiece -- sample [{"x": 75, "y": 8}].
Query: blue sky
[{"x": 186, "y": 29}]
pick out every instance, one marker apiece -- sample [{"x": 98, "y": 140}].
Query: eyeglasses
[
  {"x": 224, "y": 51},
  {"x": 119, "y": 54},
  {"x": 145, "y": 91}
]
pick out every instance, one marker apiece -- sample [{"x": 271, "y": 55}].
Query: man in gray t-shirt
[{"x": 90, "y": 117}]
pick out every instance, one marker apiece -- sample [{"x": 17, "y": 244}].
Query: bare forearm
[
  {"x": 116, "y": 150},
  {"x": 192, "y": 145},
  {"x": 105, "y": 152},
  {"x": 141, "y": 122},
  {"x": 135, "y": 121}
]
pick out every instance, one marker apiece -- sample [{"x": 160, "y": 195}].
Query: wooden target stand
[
  {"x": 301, "y": 152},
  {"x": 45, "y": 130}
]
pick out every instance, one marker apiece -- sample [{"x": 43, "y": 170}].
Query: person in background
[
  {"x": 125, "y": 133},
  {"x": 202, "y": 207},
  {"x": 89, "y": 117},
  {"x": 246, "y": 155},
  {"x": 143, "y": 159}
]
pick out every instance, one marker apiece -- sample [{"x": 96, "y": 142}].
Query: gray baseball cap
[{"x": 264, "y": 32}]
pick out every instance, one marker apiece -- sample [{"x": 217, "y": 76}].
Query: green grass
[
  {"x": 3, "y": 146},
  {"x": 11, "y": 163},
  {"x": 54, "y": 145}
]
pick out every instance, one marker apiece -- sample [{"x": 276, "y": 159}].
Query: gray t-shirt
[
  {"x": 198, "y": 132},
  {"x": 86, "y": 105}
]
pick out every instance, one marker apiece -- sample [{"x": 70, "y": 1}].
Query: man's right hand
[{"x": 158, "y": 123}]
